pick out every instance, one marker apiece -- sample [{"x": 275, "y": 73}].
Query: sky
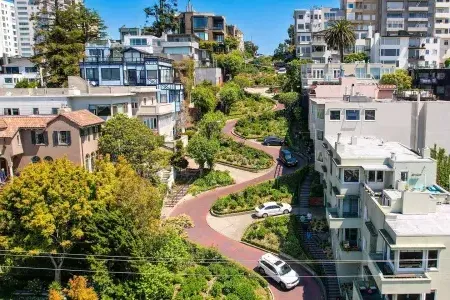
[{"x": 265, "y": 22}]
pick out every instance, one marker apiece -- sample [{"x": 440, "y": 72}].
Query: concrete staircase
[{"x": 304, "y": 192}]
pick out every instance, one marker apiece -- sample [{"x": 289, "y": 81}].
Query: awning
[
  {"x": 417, "y": 246},
  {"x": 387, "y": 237},
  {"x": 377, "y": 168}
]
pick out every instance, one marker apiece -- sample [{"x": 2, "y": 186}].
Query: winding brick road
[{"x": 198, "y": 209}]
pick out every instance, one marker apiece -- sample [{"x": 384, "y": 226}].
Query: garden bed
[
  {"x": 210, "y": 180},
  {"x": 237, "y": 154},
  {"x": 278, "y": 234},
  {"x": 283, "y": 189},
  {"x": 251, "y": 104},
  {"x": 258, "y": 127}
]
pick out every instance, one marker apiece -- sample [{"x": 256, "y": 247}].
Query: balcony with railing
[
  {"x": 390, "y": 282},
  {"x": 345, "y": 217},
  {"x": 156, "y": 109},
  {"x": 419, "y": 6},
  {"x": 363, "y": 290},
  {"x": 350, "y": 250}
]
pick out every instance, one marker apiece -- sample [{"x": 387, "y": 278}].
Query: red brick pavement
[{"x": 198, "y": 209}]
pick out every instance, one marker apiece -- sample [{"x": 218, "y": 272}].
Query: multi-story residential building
[
  {"x": 124, "y": 31},
  {"x": 363, "y": 13},
  {"x": 8, "y": 30},
  {"x": 235, "y": 32},
  {"x": 309, "y": 25},
  {"x": 17, "y": 69},
  {"x": 369, "y": 73},
  {"x": 436, "y": 80},
  {"x": 26, "y": 27},
  {"x": 207, "y": 26},
  {"x": 387, "y": 218},
  {"x": 30, "y": 139},
  {"x": 351, "y": 108}
]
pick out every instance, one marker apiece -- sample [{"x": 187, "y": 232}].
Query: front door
[{"x": 132, "y": 77}]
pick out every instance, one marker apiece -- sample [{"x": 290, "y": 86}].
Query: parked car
[
  {"x": 278, "y": 270},
  {"x": 273, "y": 141},
  {"x": 287, "y": 158},
  {"x": 281, "y": 71},
  {"x": 271, "y": 209}
]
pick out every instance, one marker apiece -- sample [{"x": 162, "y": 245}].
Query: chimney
[
  {"x": 352, "y": 89},
  {"x": 354, "y": 140},
  {"x": 64, "y": 109},
  {"x": 393, "y": 156},
  {"x": 426, "y": 152}
]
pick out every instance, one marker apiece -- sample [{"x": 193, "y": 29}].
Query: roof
[
  {"x": 83, "y": 118},
  {"x": 9, "y": 125},
  {"x": 270, "y": 258},
  {"x": 431, "y": 224}
]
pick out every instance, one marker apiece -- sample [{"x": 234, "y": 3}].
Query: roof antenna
[{"x": 189, "y": 7}]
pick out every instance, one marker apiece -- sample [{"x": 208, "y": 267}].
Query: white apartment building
[
  {"x": 8, "y": 30},
  {"x": 309, "y": 41},
  {"x": 388, "y": 219},
  {"x": 17, "y": 69}
]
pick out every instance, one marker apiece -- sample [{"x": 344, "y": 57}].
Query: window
[
  {"x": 320, "y": 157},
  {"x": 320, "y": 113},
  {"x": 165, "y": 75},
  {"x": 371, "y": 176},
  {"x": 369, "y": 115},
  {"x": 200, "y": 22},
  {"x": 163, "y": 98},
  {"x": 38, "y": 138},
  {"x": 35, "y": 159},
  {"x": 431, "y": 296},
  {"x": 351, "y": 175},
  {"x": 410, "y": 260},
  {"x": 30, "y": 70},
  {"x": 404, "y": 176},
  {"x": 152, "y": 123},
  {"x": 152, "y": 74},
  {"x": 35, "y": 111},
  {"x": 432, "y": 259},
  {"x": 352, "y": 115},
  {"x": 92, "y": 74},
  {"x": 19, "y": 141},
  {"x": 202, "y": 35},
  {"x": 380, "y": 176},
  {"x": 319, "y": 135},
  {"x": 54, "y": 111},
  {"x": 11, "y": 111},
  {"x": 335, "y": 115},
  {"x": 111, "y": 74},
  {"x": 8, "y": 80},
  {"x": 48, "y": 158},
  {"x": 300, "y": 17},
  {"x": 138, "y": 42},
  {"x": 61, "y": 137}
]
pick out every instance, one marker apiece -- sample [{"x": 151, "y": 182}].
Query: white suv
[
  {"x": 272, "y": 209},
  {"x": 278, "y": 270}
]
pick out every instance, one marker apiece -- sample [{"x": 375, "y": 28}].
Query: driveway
[{"x": 202, "y": 233}]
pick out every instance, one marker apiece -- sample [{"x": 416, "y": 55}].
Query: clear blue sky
[{"x": 263, "y": 21}]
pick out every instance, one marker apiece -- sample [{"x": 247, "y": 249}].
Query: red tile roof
[{"x": 9, "y": 125}]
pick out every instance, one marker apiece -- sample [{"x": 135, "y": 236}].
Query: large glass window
[
  {"x": 351, "y": 175},
  {"x": 432, "y": 259},
  {"x": 92, "y": 74},
  {"x": 320, "y": 113},
  {"x": 369, "y": 115},
  {"x": 138, "y": 42},
  {"x": 335, "y": 115},
  {"x": 166, "y": 75},
  {"x": 152, "y": 74},
  {"x": 410, "y": 260},
  {"x": 202, "y": 35},
  {"x": 200, "y": 22},
  {"x": 111, "y": 74},
  {"x": 352, "y": 114}
]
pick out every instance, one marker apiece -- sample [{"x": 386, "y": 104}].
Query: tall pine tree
[
  {"x": 62, "y": 30},
  {"x": 163, "y": 15}
]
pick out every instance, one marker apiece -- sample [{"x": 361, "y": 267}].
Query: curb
[
  {"x": 214, "y": 214},
  {"x": 243, "y": 168}
]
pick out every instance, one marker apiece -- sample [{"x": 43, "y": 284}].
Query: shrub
[
  {"x": 241, "y": 155},
  {"x": 216, "y": 289},
  {"x": 267, "y": 123},
  {"x": 210, "y": 180}
]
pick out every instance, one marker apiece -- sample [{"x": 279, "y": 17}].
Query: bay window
[{"x": 410, "y": 259}]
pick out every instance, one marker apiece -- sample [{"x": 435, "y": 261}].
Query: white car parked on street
[
  {"x": 272, "y": 209},
  {"x": 278, "y": 270}
]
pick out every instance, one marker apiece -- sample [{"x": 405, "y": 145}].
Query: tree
[
  {"x": 231, "y": 63},
  {"x": 400, "y": 78},
  {"x": 164, "y": 15},
  {"x": 443, "y": 166},
  {"x": 288, "y": 98},
  {"x": 353, "y": 57},
  {"x": 447, "y": 62},
  {"x": 79, "y": 290},
  {"x": 243, "y": 80},
  {"x": 45, "y": 210},
  {"x": 293, "y": 82},
  {"x": 203, "y": 151},
  {"x": 340, "y": 35},
  {"x": 132, "y": 139},
  {"x": 61, "y": 34},
  {"x": 229, "y": 94},
  {"x": 25, "y": 84},
  {"x": 211, "y": 125},
  {"x": 231, "y": 43},
  {"x": 211, "y": 46},
  {"x": 178, "y": 159},
  {"x": 204, "y": 99},
  {"x": 291, "y": 35},
  {"x": 251, "y": 48}
]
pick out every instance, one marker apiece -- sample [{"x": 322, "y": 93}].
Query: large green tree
[
  {"x": 443, "y": 166},
  {"x": 204, "y": 99},
  {"x": 211, "y": 125},
  {"x": 340, "y": 35},
  {"x": 251, "y": 48},
  {"x": 163, "y": 14},
  {"x": 293, "y": 79},
  {"x": 231, "y": 63},
  {"x": 203, "y": 150},
  {"x": 229, "y": 94},
  {"x": 132, "y": 139},
  {"x": 45, "y": 210},
  {"x": 400, "y": 78},
  {"x": 61, "y": 34}
]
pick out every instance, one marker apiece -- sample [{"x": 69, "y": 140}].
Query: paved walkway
[{"x": 202, "y": 233}]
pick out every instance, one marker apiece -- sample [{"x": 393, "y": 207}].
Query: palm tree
[{"x": 340, "y": 35}]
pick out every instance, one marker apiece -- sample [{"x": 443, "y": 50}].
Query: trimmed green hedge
[
  {"x": 258, "y": 127},
  {"x": 283, "y": 189},
  {"x": 238, "y": 154},
  {"x": 251, "y": 104},
  {"x": 209, "y": 181}
]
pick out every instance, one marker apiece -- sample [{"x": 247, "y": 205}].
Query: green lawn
[
  {"x": 240, "y": 155},
  {"x": 258, "y": 127}
]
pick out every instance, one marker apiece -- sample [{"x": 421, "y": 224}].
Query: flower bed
[
  {"x": 283, "y": 189},
  {"x": 251, "y": 104},
  {"x": 209, "y": 181},
  {"x": 237, "y": 154},
  {"x": 258, "y": 127},
  {"x": 278, "y": 234}
]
